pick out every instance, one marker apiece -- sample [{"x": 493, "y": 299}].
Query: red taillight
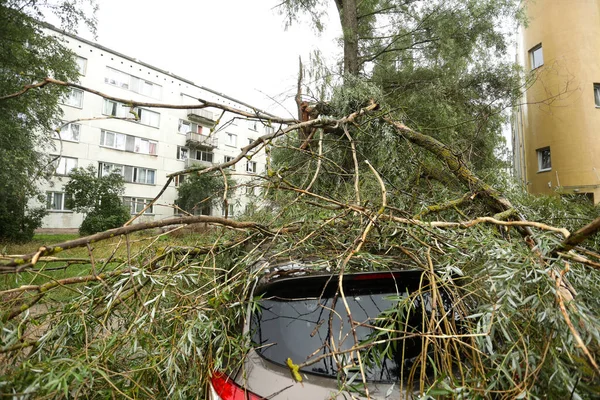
[
  {"x": 375, "y": 275},
  {"x": 227, "y": 389}
]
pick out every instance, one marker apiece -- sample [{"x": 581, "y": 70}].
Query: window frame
[
  {"x": 540, "y": 159},
  {"x": 180, "y": 149},
  {"x": 597, "y": 94},
  {"x": 532, "y": 56},
  {"x": 132, "y": 83},
  {"x": 230, "y": 210},
  {"x": 254, "y": 168},
  {"x": 231, "y": 137},
  {"x": 63, "y": 207},
  {"x": 204, "y": 156},
  {"x": 121, "y": 111},
  {"x": 226, "y": 159},
  {"x": 62, "y": 162},
  {"x": 136, "y": 172},
  {"x": 81, "y": 63},
  {"x": 132, "y": 204},
  {"x": 179, "y": 179},
  {"x": 68, "y": 128},
  {"x": 67, "y": 100}
]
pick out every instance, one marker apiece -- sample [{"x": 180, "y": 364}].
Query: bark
[
  {"x": 347, "y": 10},
  {"x": 495, "y": 200},
  {"x": 578, "y": 237}
]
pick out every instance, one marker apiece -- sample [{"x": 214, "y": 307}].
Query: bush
[
  {"x": 103, "y": 220},
  {"x": 18, "y": 222},
  {"x": 98, "y": 197}
]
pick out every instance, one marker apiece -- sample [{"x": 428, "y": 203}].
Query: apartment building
[
  {"x": 555, "y": 131},
  {"x": 161, "y": 142}
]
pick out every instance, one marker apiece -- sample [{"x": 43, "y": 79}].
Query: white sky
[{"x": 237, "y": 47}]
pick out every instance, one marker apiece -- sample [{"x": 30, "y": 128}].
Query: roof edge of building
[{"x": 101, "y": 47}]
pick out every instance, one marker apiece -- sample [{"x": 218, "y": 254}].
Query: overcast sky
[{"x": 238, "y": 47}]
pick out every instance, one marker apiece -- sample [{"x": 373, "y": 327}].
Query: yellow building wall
[{"x": 559, "y": 109}]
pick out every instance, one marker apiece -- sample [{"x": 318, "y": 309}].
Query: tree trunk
[{"x": 347, "y": 10}]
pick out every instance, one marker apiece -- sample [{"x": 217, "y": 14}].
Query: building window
[
  {"x": 129, "y": 82},
  {"x": 64, "y": 165},
  {"x": 148, "y": 117},
  {"x": 182, "y": 153},
  {"x": 269, "y": 130},
  {"x": 120, "y": 110},
  {"x": 179, "y": 179},
  {"x": 202, "y": 209},
  {"x": 253, "y": 125},
  {"x": 228, "y": 159},
  {"x": 231, "y": 139},
  {"x": 69, "y": 133},
  {"x": 544, "y": 160},
  {"x": 536, "y": 56},
  {"x": 144, "y": 175},
  {"x": 56, "y": 201},
  {"x": 113, "y": 140},
  {"x": 81, "y": 65},
  {"x": 117, "y": 78},
  {"x": 120, "y": 141},
  {"x": 136, "y": 205},
  {"x": 205, "y": 156},
  {"x": 231, "y": 210},
  {"x": 116, "y": 109},
  {"x": 130, "y": 174},
  {"x": 251, "y": 167},
  {"x": 250, "y": 190},
  {"x": 597, "y": 94},
  {"x": 144, "y": 146},
  {"x": 186, "y": 126},
  {"x": 74, "y": 98}
]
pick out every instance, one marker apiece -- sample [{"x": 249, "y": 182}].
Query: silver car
[{"x": 302, "y": 339}]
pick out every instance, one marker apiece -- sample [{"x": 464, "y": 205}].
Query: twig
[
  {"x": 356, "y": 172},
  {"x": 561, "y": 303},
  {"x": 450, "y": 204}
]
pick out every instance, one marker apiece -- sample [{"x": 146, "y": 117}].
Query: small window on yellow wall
[
  {"x": 544, "y": 160},
  {"x": 536, "y": 56},
  {"x": 597, "y": 94}
]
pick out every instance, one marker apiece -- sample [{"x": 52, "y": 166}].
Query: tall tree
[
  {"x": 28, "y": 55},
  {"x": 437, "y": 64},
  {"x": 421, "y": 30}
]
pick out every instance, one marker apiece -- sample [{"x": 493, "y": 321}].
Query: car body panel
[{"x": 257, "y": 371}]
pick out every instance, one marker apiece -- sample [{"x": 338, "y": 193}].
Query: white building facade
[{"x": 162, "y": 142}]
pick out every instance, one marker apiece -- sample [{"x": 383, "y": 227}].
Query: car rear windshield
[{"x": 305, "y": 319}]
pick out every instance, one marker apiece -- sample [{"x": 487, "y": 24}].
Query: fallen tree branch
[
  {"x": 578, "y": 237},
  {"x": 20, "y": 263},
  {"x": 494, "y": 198},
  {"x": 434, "y": 224},
  {"x": 257, "y": 114},
  {"x": 441, "y": 207}
]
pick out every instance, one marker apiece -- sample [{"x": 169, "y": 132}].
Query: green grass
[{"x": 140, "y": 245}]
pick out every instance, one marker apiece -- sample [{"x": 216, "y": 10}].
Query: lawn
[{"x": 102, "y": 256}]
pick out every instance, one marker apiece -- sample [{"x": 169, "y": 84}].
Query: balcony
[
  {"x": 201, "y": 115},
  {"x": 195, "y": 140},
  {"x": 192, "y": 162}
]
